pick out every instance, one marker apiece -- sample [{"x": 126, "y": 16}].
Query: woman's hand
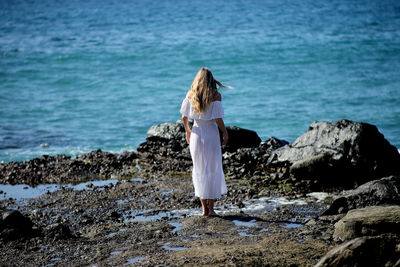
[
  {"x": 185, "y": 121},
  {"x": 188, "y": 132},
  {"x": 225, "y": 138},
  {"x": 221, "y": 126}
]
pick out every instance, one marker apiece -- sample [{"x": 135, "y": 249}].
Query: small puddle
[
  {"x": 246, "y": 224},
  {"x": 113, "y": 253},
  {"x": 293, "y": 225},
  {"x": 22, "y": 191},
  {"x": 110, "y": 235},
  {"x": 251, "y": 223},
  {"x": 123, "y": 201},
  {"x": 146, "y": 215},
  {"x": 177, "y": 225},
  {"x": 114, "y": 233},
  {"x": 167, "y": 192},
  {"x": 244, "y": 233},
  {"x": 167, "y": 247},
  {"x": 92, "y": 184},
  {"x": 133, "y": 260}
]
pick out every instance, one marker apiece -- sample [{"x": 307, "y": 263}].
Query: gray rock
[
  {"x": 363, "y": 251},
  {"x": 377, "y": 192},
  {"x": 342, "y": 153},
  {"x": 373, "y": 220},
  {"x": 166, "y": 132}
]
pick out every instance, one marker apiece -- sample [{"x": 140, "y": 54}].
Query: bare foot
[
  {"x": 204, "y": 206},
  {"x": 205, "y": 212},
  {"x": 212, "y": 214}
]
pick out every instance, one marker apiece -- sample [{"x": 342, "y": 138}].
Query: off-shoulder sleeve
[
  {"x": 217, "y": 111},
  {"x": 185, "y": 108}
]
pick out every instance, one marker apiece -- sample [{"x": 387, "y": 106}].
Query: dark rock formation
[
  {"x": 364, "y": 251},
  {"x": 373, "y": 220},
  {"x": 62, "y": 169},
  {"x": 246, "y": 162},
  {"x": 377, "y": 192},
  {"x": 343, "y": 153},
  {"x": 14, "y": 225},
  {"x": 241, "y": 138},
  {"x": 166, "y": 149},
  {"x": 58, "y": 231}
]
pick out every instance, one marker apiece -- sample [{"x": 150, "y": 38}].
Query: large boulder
[
  {"x": 166, "y": 132},
  {"x": 342, "y": 153},
  {"x": 377, "y": 192},
  {"x": 363, "y": 251},
  {"x": 241, "y": 138},
  {"x": 373, "y": 220}
]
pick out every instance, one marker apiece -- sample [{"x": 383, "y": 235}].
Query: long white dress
[{"x": 205, "y": 149}]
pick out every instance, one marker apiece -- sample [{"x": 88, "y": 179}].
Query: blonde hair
[{"x": 203, "y": 90}]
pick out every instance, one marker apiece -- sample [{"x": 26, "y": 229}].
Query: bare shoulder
[{"x": 218, "y": 97}]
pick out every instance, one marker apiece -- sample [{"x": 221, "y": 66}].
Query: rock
[
  {"x": 373, "y": 220},
  {"x": 58, "y": 231},
  {"x": 166, "y": 132},
  {"x": 272, "y": 144},
  {"x": 166, "y": 149},
  {"x": 62, "y": 169},
  {"x": 363, "y": 251},
  {"x": 377, "y": 192},
  {"x": 114, "y": 215},
  {"x": 14, "y": 225},
  {"x": 241, "y": 138},
  {"x": 341, "y": 153}
]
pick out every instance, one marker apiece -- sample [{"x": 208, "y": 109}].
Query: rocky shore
[{"x": 144, "y": 212}]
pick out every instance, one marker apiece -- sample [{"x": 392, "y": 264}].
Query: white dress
[{"x": 205, "y": 149}]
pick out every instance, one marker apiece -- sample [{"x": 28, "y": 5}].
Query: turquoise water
[{"x": 81, "y": 75}]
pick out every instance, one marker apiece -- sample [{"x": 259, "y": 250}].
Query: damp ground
[{"x": 158, "y": 222}]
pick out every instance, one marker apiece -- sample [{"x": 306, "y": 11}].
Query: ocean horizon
[{"x": 79, "y": 76}]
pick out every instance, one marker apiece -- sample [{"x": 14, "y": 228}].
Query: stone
[
  {"x": 341, "y": 153},
  {"x": 378, "y": 192},
  {"x": 363, "y": 251},
  {"x": 166, "y": 132},
  {"x": 14, "y": 225},
  {"x": 166, "y": 146},
  {"x": 58, "y": 231},
  {"x": 372, "y": 220},
  {"x": 241, "y": 138},
  {"x": 14, "y": 219}
]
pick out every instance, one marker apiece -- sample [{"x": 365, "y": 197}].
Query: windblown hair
[{"x": 203, "y": 90}]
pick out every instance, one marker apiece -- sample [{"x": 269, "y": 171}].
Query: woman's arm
[
  {"x": 185, "y": 121},
  {"x": 221, "y": 126}
]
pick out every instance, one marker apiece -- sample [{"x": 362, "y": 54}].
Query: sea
[{"x": 76, "y": 76}]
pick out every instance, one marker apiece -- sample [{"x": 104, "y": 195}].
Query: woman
[{"x": 203, "y": 104}]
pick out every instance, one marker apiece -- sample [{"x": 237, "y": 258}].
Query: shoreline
[{"x": 138, "y": 208}]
